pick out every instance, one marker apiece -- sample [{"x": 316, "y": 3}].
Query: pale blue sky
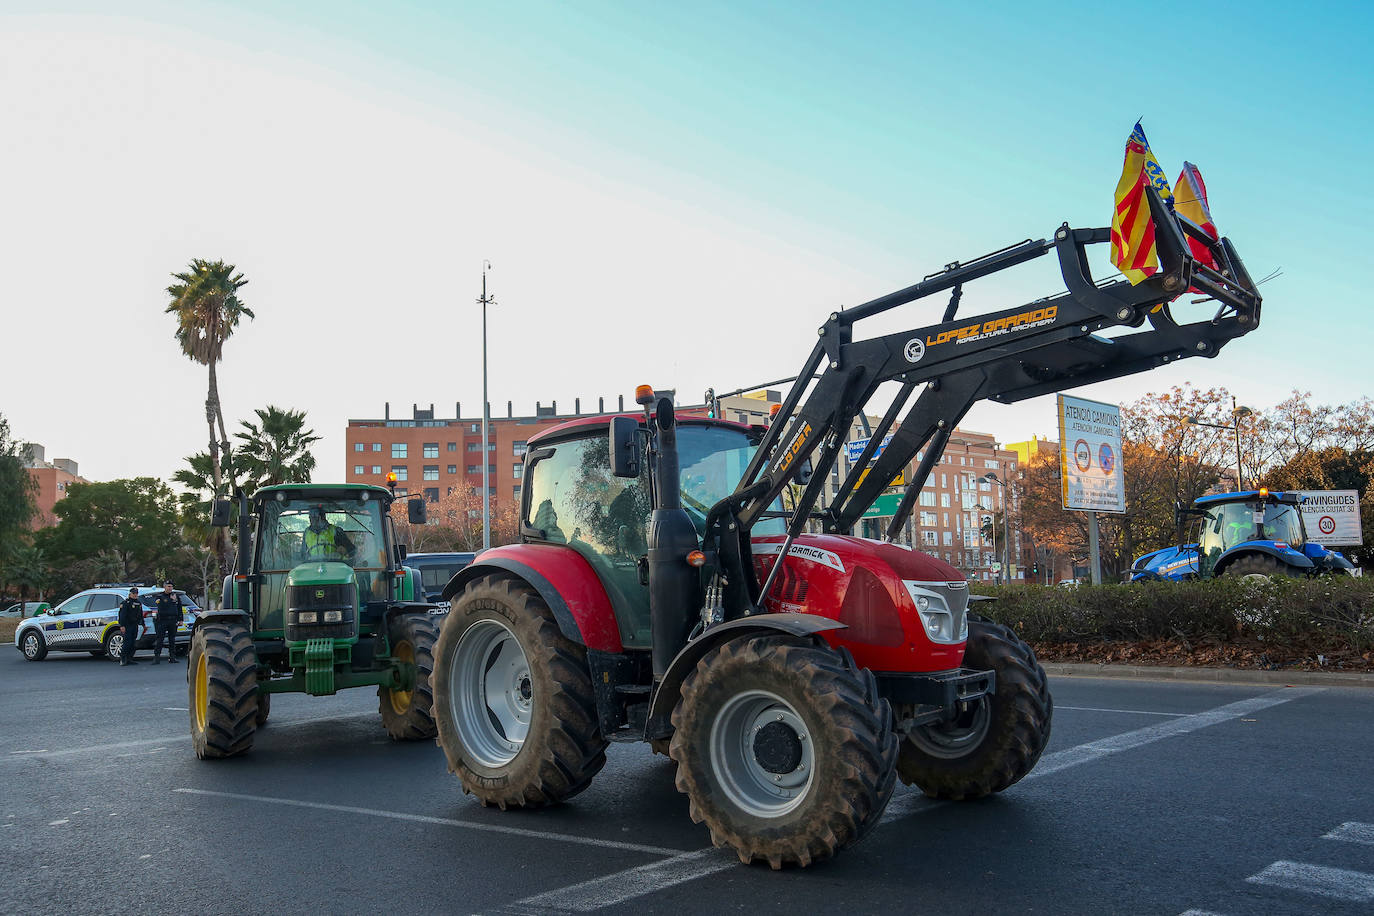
[{"x": 730, "y": 171}]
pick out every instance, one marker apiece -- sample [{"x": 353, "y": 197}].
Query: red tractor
[{"x": 661, "y": 592}]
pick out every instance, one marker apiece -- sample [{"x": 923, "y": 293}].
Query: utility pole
[{"x": 486, "y": 416}]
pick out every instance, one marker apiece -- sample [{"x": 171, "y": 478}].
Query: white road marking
[
  {"x": 1198, "y": 913},
  {"x": 625, "y": 885},
  {"x": 1336, "y": 883},
  {"x": 1353, "y": 832},
  {"x": 1134, "y": 712},
  {"x": 57, "y": 823},
  {"x": 182, "y": 737},
  {"x": 1105, "y": 747},
  {"x": 441, "y": 821},
  {"x": 176, "y": 709}
]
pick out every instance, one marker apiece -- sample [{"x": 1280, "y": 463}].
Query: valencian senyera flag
[
  {"x": 1133, "y": 231},
  {"x": 1190, "y": 201}
]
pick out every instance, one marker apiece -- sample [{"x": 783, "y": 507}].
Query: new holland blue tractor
[{"x": 1250, "y": 533}]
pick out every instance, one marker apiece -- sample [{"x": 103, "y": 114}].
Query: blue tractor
[{"x": 1250, "y": 533}]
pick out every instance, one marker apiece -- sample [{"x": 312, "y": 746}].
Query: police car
[{"x": 89, "y": 622}]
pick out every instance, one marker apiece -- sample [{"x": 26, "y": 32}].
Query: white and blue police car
[{"x": 89, "y": 622}]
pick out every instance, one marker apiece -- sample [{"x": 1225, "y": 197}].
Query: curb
[{"x": 1213, "y": 675}]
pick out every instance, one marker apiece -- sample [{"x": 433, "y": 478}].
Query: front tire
[
  {"x": 513, "y": 700},
  {"x": 996, "y": 740},
  {"x": 784, "y": 750},
  {"x": 223, "y": 690},
  {"x": 34, "y": 646},
  {"x": 1257, "y": 566},
  {"x": 408, "y": 715}
]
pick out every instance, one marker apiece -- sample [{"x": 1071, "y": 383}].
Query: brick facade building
[{"x": 52, "y": 477}]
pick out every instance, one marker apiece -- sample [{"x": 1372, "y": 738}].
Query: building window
[
  {"x": 929, "y": 519},
  {"x": 474, "y": 469},
  {"x": 357, "y": 469},
  {"x": 518, "y": 449},
  {"x": 402, "y": 492},
  {"x": 517, "y": 471},
  {"x": 376, "y": 446},
  {"x": 476, "y": 428},
  {"x": 516, "y": 492},
  {"x": 357, "y": 446},
  {"x": 927, "y": 498},
  {"x": 949, "y": 539},
  {"x": 398, "y": 450},
  {"x": 474, "y": 446},
  {"x": 453, "y": 446},
  {"x": 376, "y": 469},
  {"x": 944, "y": 500},
  {"x": 432, "y": 494},
  {"x": 453, "y": 469},
  {"x": 400, "y": 471},
  {"x": 929, "y": 538},
  {"x": 430, "y": 449},
  {"x": 431, "y": 472}
]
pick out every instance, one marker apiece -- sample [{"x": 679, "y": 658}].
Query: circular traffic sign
[
  {"x": 1082, "y": 455},
  {"x": 1106, "y": 457},
  {"x": 1326, "y": 524}
]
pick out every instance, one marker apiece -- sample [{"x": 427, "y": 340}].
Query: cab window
[
  {"x": 73, "y": 605},
  {"x": 103, "y": 602}
]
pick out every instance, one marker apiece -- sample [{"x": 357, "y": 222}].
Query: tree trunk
[{"x": 211, "y": 414}]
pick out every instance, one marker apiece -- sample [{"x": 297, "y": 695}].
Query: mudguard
[
  {"x": 566, "y": 582},
  {"x": 670, "y": 688},
  {"x": 1283, "y": 554}
]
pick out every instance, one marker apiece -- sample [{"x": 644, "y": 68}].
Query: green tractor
[{"x": 318, "y": 602}]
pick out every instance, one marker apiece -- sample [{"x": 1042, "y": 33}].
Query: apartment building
[{"x": 52, "y": 477}]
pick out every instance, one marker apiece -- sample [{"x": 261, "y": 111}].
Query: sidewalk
[{"x": 1214, "y": 675}]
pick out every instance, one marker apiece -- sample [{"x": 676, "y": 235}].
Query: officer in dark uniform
[
  {"x": 168, "y": 616},
  {"x": 130, "y": 616}
]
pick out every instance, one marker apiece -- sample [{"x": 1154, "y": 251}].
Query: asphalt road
[{"x": 1151, "y": 798}]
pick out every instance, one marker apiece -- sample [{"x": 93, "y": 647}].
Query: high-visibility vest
[{"x": 319, "y": 543}]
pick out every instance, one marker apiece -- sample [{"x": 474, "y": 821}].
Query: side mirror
[
  {"x": 416, "y": 513},
  {"x": 222, "y": 513},
  {"x": 625, "y": 446},
  {"x": 803, "y": 474},
  {"x": 401, "y": 554}
]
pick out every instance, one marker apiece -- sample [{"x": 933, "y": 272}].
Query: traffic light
[{"x": 711, "y": 406}]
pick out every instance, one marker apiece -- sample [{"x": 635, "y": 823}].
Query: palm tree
[
  {"x": 206, "y": 303},
  {"x": 278, "y": 451},
  {"x": 28, "y": 568}
]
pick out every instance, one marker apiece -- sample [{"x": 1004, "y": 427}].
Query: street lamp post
[
  {"x": 1237, "y": 414},
  {"x": 486, "y": 415},
  {"x": 1006, "y": 526}
]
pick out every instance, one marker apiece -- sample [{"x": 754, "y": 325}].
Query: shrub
[{"x": 1324, "y": 614}]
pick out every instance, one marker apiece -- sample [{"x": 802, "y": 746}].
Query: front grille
[
  {"x": 317, "y": 599},
  {"x": 870, "y": 612}
]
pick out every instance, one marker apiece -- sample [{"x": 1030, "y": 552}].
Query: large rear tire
[
  {"x": 784, "y": 750},
  {"x": 408, "y": 715},
  {"x": 996, "y": 740},
  {"x": 222, "y": 690},
  {"x": 513, "y": 699},
  {"x": 1257, "y": 566}
]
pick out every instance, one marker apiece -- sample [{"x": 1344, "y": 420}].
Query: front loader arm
[{"x": 1045, "y": 346}]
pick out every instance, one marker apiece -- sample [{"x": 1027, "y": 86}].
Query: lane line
[
  {"x": 440, "y": 821},
  {"x": 1105, "y": 747},
  {"x": 551, "y": 901},
  {"x": 612, "y": 889},
  {"x": 1336, "y": 883},
  {"x": 1134, "y": 712},
  {"x": 1353, "y": 832},
  {"x": 165, "y": 739},
  {"x": 1198, "y": 913}
]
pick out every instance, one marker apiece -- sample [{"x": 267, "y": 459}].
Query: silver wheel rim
[
  {"x": 115, "y": 648},
  {"x": 30, "y": 645},
  {"x": 1256, "y": 576},
  {"x": 955, "y": 739},
  {"x": 754, "y": 781},
  {"x": 491, "y": 694}
]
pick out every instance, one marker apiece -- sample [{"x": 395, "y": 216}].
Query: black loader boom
[{"x": 1042, "y": 347}]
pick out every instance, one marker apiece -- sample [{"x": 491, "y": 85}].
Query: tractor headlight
[
  {"x": 942, "y": 622},
  {"x": 331, "y": 616},
  {"x": 306, "y": 617}
]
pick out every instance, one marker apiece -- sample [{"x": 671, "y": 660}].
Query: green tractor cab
[{"x": 319, "y": 601}]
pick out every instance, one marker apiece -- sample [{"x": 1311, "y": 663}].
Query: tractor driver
[{"x": 323, "y": 541}]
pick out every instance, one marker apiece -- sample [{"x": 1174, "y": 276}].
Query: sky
[{"x": 671, "y": 194}]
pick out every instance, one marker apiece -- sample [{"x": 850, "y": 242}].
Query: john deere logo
[
  {"x": 914, "y": 350},
  {"x": 319, "y": 594}
]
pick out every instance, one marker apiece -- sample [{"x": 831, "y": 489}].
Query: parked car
[
  {"x": 436, "y": 569},
  {"x": 26, "y": 609},
  {"x": 89, "y": 622}
]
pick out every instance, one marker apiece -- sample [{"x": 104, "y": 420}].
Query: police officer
[
  {"x": 168, "y": 616},
  {"x": 130, "y": 617}
]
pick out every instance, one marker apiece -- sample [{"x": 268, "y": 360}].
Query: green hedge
[{"x": 1314, "y": 614}]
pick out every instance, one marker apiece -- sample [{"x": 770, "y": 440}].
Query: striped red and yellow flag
[
  {"x": 1190, "y": 201},
  {"x": 1133, "y": 229}
]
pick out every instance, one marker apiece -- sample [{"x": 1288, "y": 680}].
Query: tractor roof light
[
  {"x": 1264, "y": 492},
  {"x": 696, "y": 558},
  {"x": 644, "y": 394},
  {"x": 774, "y": 411}
]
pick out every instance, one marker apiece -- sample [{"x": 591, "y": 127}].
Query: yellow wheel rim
[
  {"x": 200, "y": 702},
  {"x": 400, "y": 699}
]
